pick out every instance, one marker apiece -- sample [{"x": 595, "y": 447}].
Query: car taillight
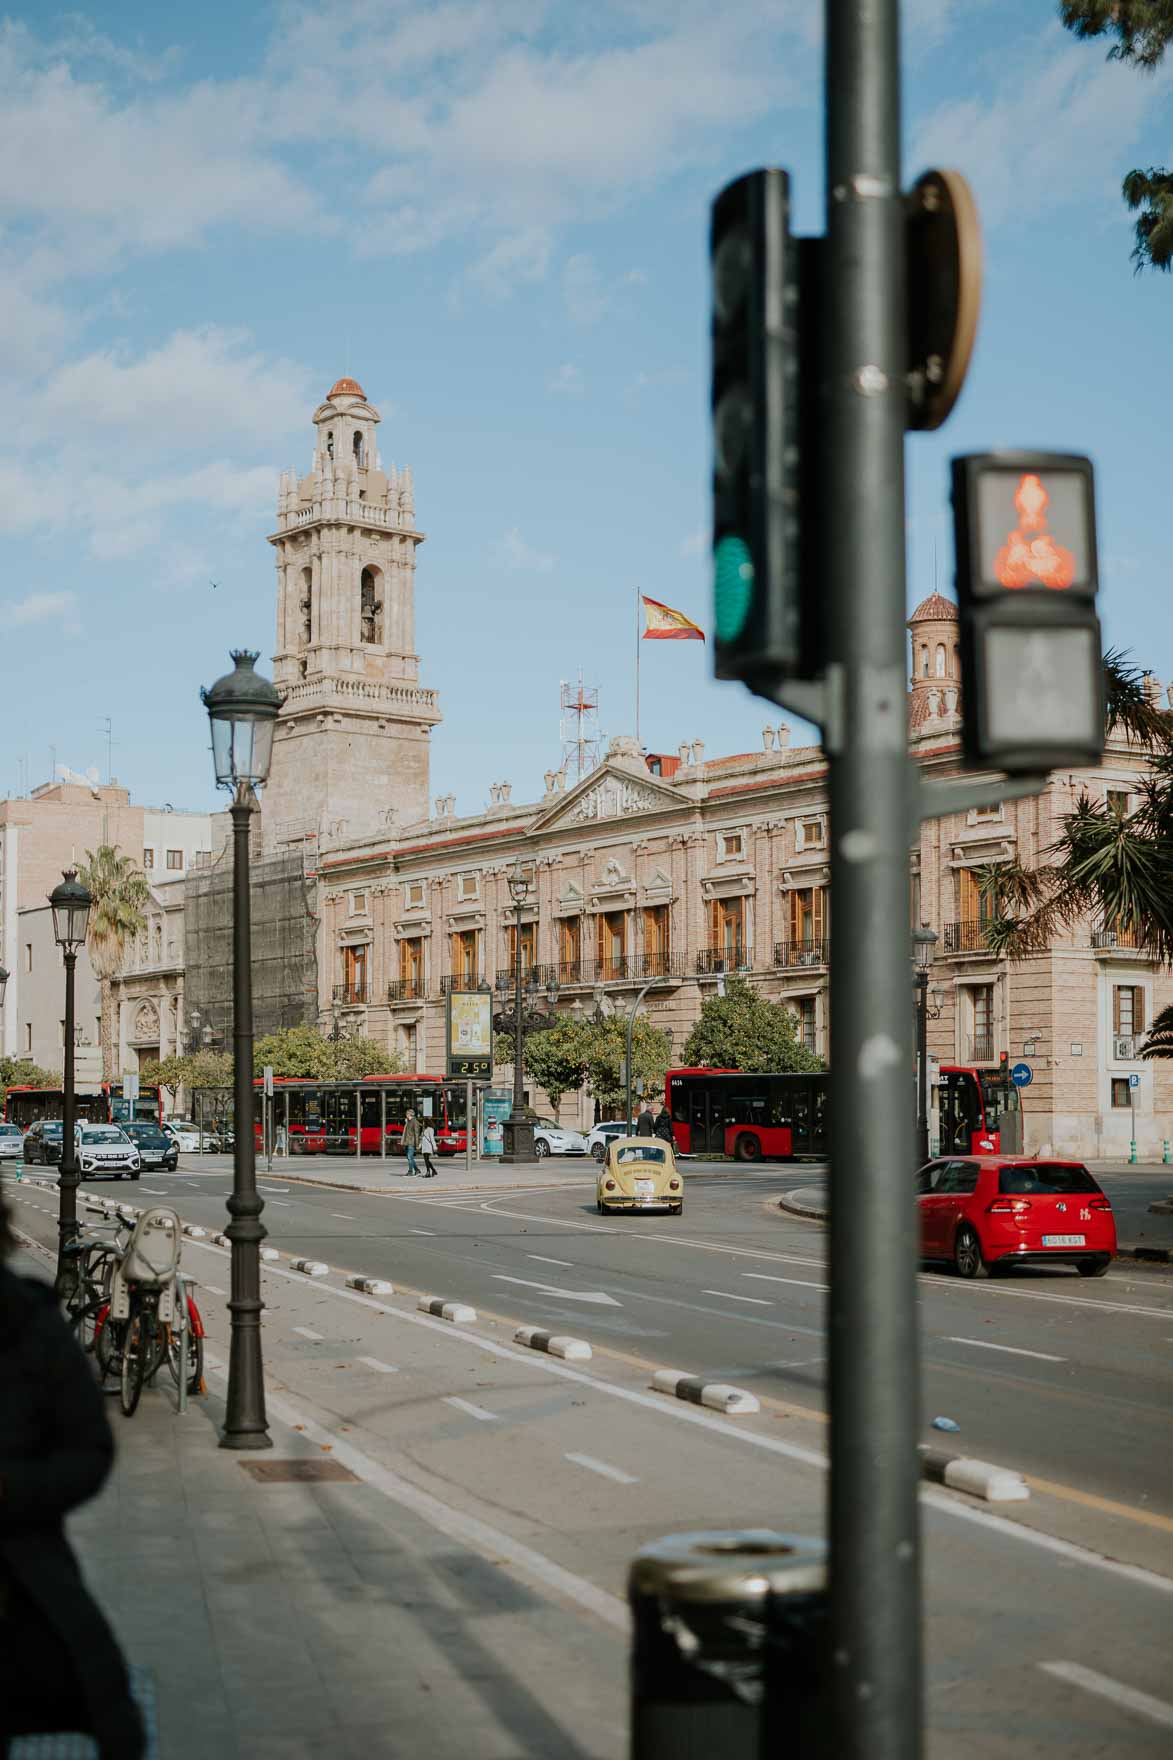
[
  {"x": 1009, "y": 1207},
  {"x": 1100, "y": 1204},
  {"x": 609, "y": 1185}
]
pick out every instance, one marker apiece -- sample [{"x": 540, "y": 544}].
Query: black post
[
  {"x": 922, "y": 1072},
  {"x": 876, "y": 1668},
  {"x": 245, "y": 1424},
  {"x": 68, "y": 1177},
  {"x": 518, "y": 1035}
]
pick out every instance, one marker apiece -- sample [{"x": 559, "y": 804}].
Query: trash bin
[{"x": 702, "y": 1605}]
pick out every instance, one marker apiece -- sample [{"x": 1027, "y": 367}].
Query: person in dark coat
[
  {"x": 60, "y": 1665},
  {"x": 646, "y": 1124},
  {"x": 664, "y": 1125}
]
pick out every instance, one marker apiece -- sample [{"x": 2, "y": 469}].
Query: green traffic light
[{"x": 733, "y": 575}]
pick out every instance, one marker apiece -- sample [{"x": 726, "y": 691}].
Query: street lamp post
[
  {"x": 242, "y": 708},
  {"x": 71, "y": 914},
  {"x": 924, "y": 942},
  {"x": 517, "y": 1131}
]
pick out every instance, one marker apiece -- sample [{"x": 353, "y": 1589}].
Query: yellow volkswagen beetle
[{"x": 640, "y": 1173}]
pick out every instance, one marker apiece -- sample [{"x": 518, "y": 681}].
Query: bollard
[
  {"x": 701, "y": 1605},
  {"x": 1165, "y": 1151},
  {"x": 1132, "y": 1152}
]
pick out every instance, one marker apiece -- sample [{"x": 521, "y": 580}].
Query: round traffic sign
[{"x": 1022, "y": 1075}]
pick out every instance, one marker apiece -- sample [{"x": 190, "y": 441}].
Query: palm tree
[
  {"x": 120, "y": 894},
  {"x": 1160, "y": 1040}
]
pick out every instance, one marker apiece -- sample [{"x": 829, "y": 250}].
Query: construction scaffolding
[
  {"x": 582, "y": 742},
  {"x": 284, "y": 947}
]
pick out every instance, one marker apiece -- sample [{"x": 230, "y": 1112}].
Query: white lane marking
[
  {"x": 342, "y": 1216},
  {"x": 155, "y": 1189},
  {"x": 599, "y": 1297},
  {"x": 983, "y": 1344},
  {"x": 466, "y": 1405},
  {"x": 213, "y": 1289},
  {"x": 274, "y": 1188},
  {"x": 728, "y": 1296},
  {"x": 307, "y": 1332},
  {"x": 544, "y": 1260},
  {"x": 282, "y": 1203},
  {"x": 491, "y": 1542},
  {"x": 689, "y": 1414},
  {"x": 383, "y": 1368},
  {"x": 423, "y": 1231},
  {"x": 593, "y": 1466},
  {"x": 1156, "y": 1710},
  {"x": 798, "y": 1282}
]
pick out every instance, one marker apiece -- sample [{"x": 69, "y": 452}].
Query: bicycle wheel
[
  {"x": 138, "y": 1348},
  {"x": 195, "y": 1358},
  {"x": 108, "y": 1344}
]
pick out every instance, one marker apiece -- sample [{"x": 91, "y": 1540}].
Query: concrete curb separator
[
  {"x": 222, "y": 1240},
  {"x": 311, "y": 1267},
  {"x": 371, "y": 1286},
  {"x": 269, "y": 1253},
  {"x": 194, "y": 1232},
  {"x": 717, "y": 1394},
  {"x": 575, "y": 1350},
  {"x": 978, "y": 1478},
  {"x": 460, "y": 1312}
]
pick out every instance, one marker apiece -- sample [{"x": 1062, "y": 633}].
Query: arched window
[
  {"x": 924, "y": 660},
  {"x": 939, "y": 670},
  {"x": 371, "y": 606},
  {"x": 359, "y": 457},
  {"x": 306, "y": 606},
  {"x": 330, "y": 444}
]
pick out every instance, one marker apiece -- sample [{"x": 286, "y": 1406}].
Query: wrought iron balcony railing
[
  {"x": 405, "y": 990},
  {"x": 352, "y": 994},
  {"x": 712, "y": 961},
  {"x": 967, "y": 937},
  {"x": 1119, "y": 941},
  {"x": 812, "y": 951},
  {"x": 981, "y": 1048},
  {"x": 461, "y": 981}
]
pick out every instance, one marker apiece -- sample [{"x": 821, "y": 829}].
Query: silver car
[
  {"x": 106, "y": 1148},
  {"x": 11, "y": 1142}
]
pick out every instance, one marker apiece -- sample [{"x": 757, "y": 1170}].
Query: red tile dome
[
  {"x": 935, "y": 609},
  {"x": 347, "y": 388}
]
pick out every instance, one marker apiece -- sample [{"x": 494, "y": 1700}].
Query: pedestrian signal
[{"x": 1032, "y": 675}]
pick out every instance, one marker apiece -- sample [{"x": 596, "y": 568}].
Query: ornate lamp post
[
  {"x": 924, "y": 942},
  {"x": 517, "y": 1132},
  {"x": 242, "y": 708},
  {"x": 71, "y": 915}
]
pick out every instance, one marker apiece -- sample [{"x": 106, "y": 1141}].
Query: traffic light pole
[{"x": 875, "y": 1668}]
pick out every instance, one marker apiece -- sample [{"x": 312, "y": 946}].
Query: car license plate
[
  {"x": 645, "y": 1188},
  {"x": 1064, "y": 1240}
]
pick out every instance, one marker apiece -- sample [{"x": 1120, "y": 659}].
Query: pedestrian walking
[
  {"x": 411, "y": 1141},
  {"x": 664, "y": 1125},
  {"x": 60, "y": 1665},
  {"x": 646, "y": 1124},
  {"x": 428, "y": 1148}
]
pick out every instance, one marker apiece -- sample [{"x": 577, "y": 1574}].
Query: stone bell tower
[{"x": 351, "y": 751}]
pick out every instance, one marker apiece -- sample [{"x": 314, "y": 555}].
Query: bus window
[{"x": 820, "y": 1141}]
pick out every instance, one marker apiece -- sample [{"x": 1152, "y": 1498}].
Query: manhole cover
[{"x": 298, "y": 1472}]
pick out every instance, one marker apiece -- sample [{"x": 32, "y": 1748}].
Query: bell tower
[{"x": 352, "y": 742}]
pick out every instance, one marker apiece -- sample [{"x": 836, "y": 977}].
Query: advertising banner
[
  {"x": 496, "y": 1105},
  {"x": 470, "y": 1035}
]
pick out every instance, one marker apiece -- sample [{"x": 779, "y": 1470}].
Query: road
[{"x": 1067, "y": 1381}]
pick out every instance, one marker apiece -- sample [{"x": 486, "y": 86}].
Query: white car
[
  {"x": 555, "y": 1139},
  {"x": 11, "y": 1142},
  {"x": 106, "y": 1148},
  {"x": 603, "y": 1135},
  {"x": 184, "y": 1134}
]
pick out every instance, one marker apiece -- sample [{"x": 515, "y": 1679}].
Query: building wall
[{"x": 39, "y": 1015}]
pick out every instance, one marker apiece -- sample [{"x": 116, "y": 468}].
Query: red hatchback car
[{"x": 989, "y": 1211}]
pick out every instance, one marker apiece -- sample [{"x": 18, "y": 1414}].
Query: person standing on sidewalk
[
  {"x": 646, "y": 1124},
  {"x": 411, "y": 1141},
  {"x": 428, "y": 1148},
  {"x": 60, "y": 1665}
]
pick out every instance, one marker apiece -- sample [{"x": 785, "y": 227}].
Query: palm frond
[
  {"x": 1129, "y": 708},
  {"x": 1160, "y": 1039}
]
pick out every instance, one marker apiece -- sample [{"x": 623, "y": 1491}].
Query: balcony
[
  {"x": 810, "y": 952},
  {"x": 352, "y": 994},
  {"x": 566, "y": 974},
  {"x": 1121, "y": 941},
  {"x": 981, "y": 1048},
  {"x": 712, "y": 961},
  {"x": 506, "y": 979},
  {"x": 967, "y": 937},
  {"x": 405, "y": 990},
  {"x": 637, "y": 968},
  {"x": 461, "y": 981}
]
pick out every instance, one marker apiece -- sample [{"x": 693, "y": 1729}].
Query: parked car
[
  {"x": 184, "y": 1134},
  {"x": 640, "y": 1173},
  {"x": 154, "y": 1145},
  {"x": 987, "y": 1212},
  {"x": 11, "y": 1142},
  {"x": 603, "y": 1135},
  {"x": 551, "y": 1138},
  {"x": 106, "y": 1148},
  {"x": 42, "y": 1143}
]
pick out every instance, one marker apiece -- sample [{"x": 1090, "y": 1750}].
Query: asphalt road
[{"x": 1062, "y": 1378}]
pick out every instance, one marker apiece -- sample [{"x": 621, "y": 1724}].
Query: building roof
[
  {"x": 935, "y": 609},
  {"x": 347, "y": 388}
]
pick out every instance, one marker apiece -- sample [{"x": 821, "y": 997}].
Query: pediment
[{"x": 610, "y": 793}]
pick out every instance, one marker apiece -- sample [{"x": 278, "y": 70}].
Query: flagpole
[{"x": 637, "y": 667}]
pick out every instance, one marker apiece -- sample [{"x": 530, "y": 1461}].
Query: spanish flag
[{"x": 662, "y": 624}]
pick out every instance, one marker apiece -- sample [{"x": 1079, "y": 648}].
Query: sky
[{"x": 494, "y": 214}]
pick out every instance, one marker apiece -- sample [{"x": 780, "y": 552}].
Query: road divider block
[
  {"x": 460, "y": 1312},
  {"x": 222, "y": 1240},
  {"x": 977, "y": 1478},
  {"x": 194, "y": 1232},
  {"x": 717, "y": 1394},
  {"x": 269, "y": 1253},
  {"x": 575, "y": 1350},
  {"x": 371, "y": 1286},
  {"x": 311, "y": 1267}
]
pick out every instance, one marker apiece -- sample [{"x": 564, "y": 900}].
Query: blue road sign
[
  {"x": 1134, "y": 1081},
  {"x": 1022, "y": 1075}
]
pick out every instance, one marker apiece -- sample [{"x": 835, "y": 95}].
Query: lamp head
[
  {"x": 71, "y": 911},
  {"x": 242, "y": 707},
  {"x": 924, "y": 941},
  {"x": 518, "y": 883}
]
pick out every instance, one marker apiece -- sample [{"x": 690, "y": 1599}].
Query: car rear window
[
  {"x": 639, "y": 1152},
  {"x": 10, "y": 1130},
  {"x": 1047, "y": 1177},
  {"x": 149, "y": 1134},
  {"x": 111, "y": 1134}
]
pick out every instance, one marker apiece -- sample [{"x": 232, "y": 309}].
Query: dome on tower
[
  {"x": 935, "y": 609},
  {"x": 347, "y": 388}
]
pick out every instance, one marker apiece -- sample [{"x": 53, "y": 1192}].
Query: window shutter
[
  {"x": 1138, "y": 1010},
  {"x": 1116, "y": 1008},
  {"x": 818, "y": 913}
]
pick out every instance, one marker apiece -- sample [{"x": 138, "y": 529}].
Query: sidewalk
[{"x": 369, "y": 1174}]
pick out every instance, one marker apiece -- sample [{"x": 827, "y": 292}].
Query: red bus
[
  {"x": 101, "y": 1103},
  {"x": 783, "y": 1117},
  {"x": 323, "y": 1118}
]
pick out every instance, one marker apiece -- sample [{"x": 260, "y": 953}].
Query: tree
[
  {"x": 22, "y": 1072},
  {"x": 120, "y": 894},
  {"x": 557, "y": 1057},
  {"x": 202, "y": 1069},
  {"x": 303, "y": 1051},
  {"x": 606, "y": 1044},
  {"x": 1143, "y": 30},
  {"x": 741, "y": 1030},
  {"x": 1160, "y": 1040}
]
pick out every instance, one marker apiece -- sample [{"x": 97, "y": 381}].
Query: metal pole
[
  {"x": 518, "y": 1037},
  {"x": 922, "y": 1066},
  {"x": 245, "y": 1424},
  {"x": 68, "y": 1177},
  {"x": 876, "y": 1671},
  {"x": 358, "y": 1123}
]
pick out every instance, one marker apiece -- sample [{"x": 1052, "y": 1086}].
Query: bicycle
[
  {"x": 87, "y": 1303},
  {"x": 155, "y": 1312}
]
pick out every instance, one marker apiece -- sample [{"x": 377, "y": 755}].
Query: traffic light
[
  {"x": 757, "y": 623},
  {"x": 1031, "y": 669}
]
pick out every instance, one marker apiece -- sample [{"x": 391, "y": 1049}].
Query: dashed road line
[
  {"x": 342, "y": 1216},
  {"x": 214, "y": 1289},
  {"x": 798, "y": 1282},
  {"x": 727, "y": 1295},
  {"x": 306, "y": 1332},
  {"x": 381, "y": 1367},
  {"x": 1129, "y": 1698},
  {"x": 606, "y": 1472},
  {"x": 467, "y": 1405},
  {"x": 544, "y": 1259},
  {"x": 984, "y": 1344}
]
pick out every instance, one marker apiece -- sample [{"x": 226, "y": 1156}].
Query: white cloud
[
  {"x": 521, "y": 258},
  {"x": 59, "y": 608},
  {"x": 695, "y": 543},
  {"x": 567, "y": 381},
  {"x": 122, "y": 517},
  {"x": 517, "y": 556},
  {"x": 582, "y": 285}
]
